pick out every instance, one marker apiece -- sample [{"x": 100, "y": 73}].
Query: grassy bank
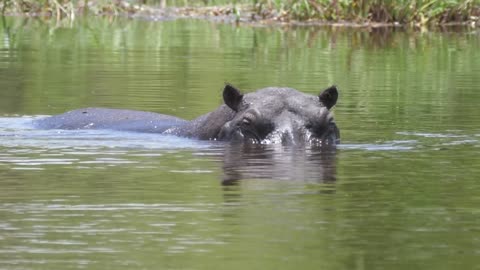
[
  {"x": 419, "y": 12},
  {"x": 66, "y": 8},
  {"x": 381, "y": 11}
]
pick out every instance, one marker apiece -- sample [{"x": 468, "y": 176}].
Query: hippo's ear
[
  {"x": 329, "y": 96},
  {"x": 232, "y": 97}
]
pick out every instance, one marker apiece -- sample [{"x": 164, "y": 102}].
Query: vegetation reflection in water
[{"x": 401, "y": 192}]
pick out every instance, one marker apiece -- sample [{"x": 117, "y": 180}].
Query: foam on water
[
  {"x": 27, "y": 148},
  {"x": 19, "y": 135},
  {"x": 18, "y": 132}
]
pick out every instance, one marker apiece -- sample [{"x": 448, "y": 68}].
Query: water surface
[{"x": 400, "y": 192}]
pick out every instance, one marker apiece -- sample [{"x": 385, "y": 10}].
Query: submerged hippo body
[
  {"x": 269, "y": 115},
  {"x": 115, "y": 119}
]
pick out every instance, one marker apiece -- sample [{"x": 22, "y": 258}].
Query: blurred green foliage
[{"x": 402, "y": 11}]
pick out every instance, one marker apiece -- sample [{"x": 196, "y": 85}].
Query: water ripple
[
  {"x": 386, "y": 146},
  {"x": 432, "y": 135},
  {"x": 102, "y": 207}
]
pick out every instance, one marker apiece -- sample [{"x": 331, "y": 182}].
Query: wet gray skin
[
  {"x": 280, "y": 115},
  {"x": 269, "y": 115}
]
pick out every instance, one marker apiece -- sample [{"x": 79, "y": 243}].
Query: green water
[{"x": 401, "y": 192}]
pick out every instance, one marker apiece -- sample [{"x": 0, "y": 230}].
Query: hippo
[{"x": 268, "y": 115}]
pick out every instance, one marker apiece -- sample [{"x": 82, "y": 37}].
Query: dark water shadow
[{"x": 277, "y": 162}]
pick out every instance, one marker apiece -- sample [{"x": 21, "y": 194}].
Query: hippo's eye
[{"x": 246, "y": 121}]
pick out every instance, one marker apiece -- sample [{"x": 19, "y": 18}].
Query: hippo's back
[{"x": 115, "y": 119}]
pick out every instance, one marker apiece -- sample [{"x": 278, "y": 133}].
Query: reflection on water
[
  {"x": 400, "y": 192},
  {"x": 278, "y": 162}
]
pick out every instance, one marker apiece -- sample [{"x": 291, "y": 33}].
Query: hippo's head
[{"x": 280, "y": 115}]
